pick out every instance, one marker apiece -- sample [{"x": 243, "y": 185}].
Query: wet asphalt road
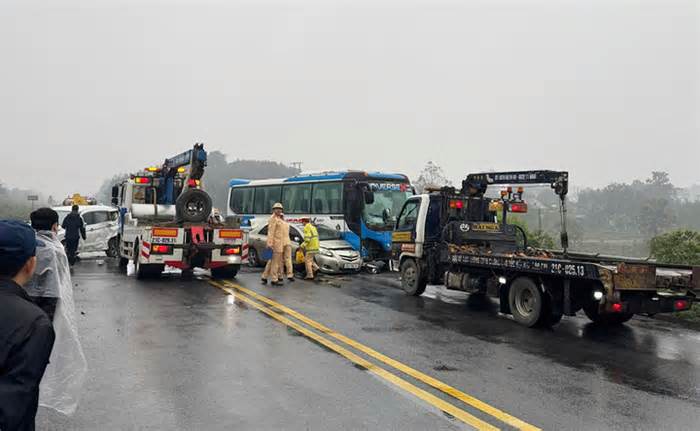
[{"x": 176, "y": 355}]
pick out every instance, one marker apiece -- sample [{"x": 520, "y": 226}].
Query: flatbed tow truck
[
  {"x": 462, "y": 239},
  {"x": 165, "y": 218}
]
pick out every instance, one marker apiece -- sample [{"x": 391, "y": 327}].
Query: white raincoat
[{"x": 65, "y": 375}]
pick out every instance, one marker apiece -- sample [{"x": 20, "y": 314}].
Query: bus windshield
[{"x": 388, "y": 200}]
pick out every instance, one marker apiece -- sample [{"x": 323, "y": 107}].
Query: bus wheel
[
  {"x": 412, "y": 281},
  {"x": 526, "y": 302},
  {"x": 609, "y": 319}
]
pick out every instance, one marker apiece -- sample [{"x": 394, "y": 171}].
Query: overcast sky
[{"x": 606, "y": 89}]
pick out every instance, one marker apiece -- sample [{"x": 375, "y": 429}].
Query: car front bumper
[{"x": 337, "y": 265}]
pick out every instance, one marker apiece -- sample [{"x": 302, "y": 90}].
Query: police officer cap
[{"x": 17, "y": 243}]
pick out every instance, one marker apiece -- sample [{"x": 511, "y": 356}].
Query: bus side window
[
  {"x": 296, "y": 198},
  {"x": 409, "y": 216},
  {"x": 265, "y": 197},
  {"x": 327, "y": 198},
  {"x": 242, "y": 200}
]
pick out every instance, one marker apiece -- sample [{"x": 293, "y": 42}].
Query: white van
[{"x": 101, "y": 228}]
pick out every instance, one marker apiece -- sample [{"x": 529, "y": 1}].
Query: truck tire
[
  {"x": 412, "y": 281},
  {"x": 193, "y": 206},
  {"x": 146, "y": 270},
  {"x": 526, "y": 302},
  {"x": 228, "y": 271},
  {"x": 607, "y": 319}
]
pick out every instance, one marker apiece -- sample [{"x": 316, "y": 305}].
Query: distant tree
[
  {"x": 219, "y": 172},
  {"x": 104, "y": 193},
  {"x": 431, "y": 175},
  {"x": 536, "y": 238},
  {"x": 217, "y": 175},
  {"x": 655, "y": 216},
  {"x": 677, "y": 247}
]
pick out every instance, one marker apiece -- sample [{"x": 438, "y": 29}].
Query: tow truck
[
  {"x": 165, "y": 218},
  {"x": 462, "y": 239}
]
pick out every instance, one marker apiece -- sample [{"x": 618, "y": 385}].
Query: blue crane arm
[{"x": 196, "y": 158}]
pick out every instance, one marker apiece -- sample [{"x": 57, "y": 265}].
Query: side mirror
[
  {"x": 115, "y": 201},
  {"x": 369, "y": 197},
  {"x": 115, "y": 192}
]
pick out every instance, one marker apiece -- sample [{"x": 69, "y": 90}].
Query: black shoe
[
  {"x": 263, "y": 280},
  {"x": 290, "y": 279},
  {"x": 277, "y": 283}
]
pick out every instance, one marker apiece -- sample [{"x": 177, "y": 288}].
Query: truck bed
[{"x": 625, "y": 274}]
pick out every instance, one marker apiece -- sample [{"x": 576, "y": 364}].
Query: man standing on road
[
  {"x": 75, "y": 228},
  {"x": 277, "y": 230},
  {"x": 26, "y": 333},
  {"x": 310, "y": 247},
  {"x": 52, "y": 290},
  {"x": 287, "y": 255}
]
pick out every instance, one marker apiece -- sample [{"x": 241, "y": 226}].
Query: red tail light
[
  {"x": 161, "y": 249},
  {"x": 230, "y": 251},
  {"x": 457, "y": 204},
  {"x": 193, "y": 183},
  {"x": 616, "y": 307},
  {"x": 142, "y": 180},
  {"x": 681, "y": 304},
  {"x": 518, "y": 207}
]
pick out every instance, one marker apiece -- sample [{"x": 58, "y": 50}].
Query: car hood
[{"x": 335, "y": 244}]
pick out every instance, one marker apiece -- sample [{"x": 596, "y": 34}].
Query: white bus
[{"x": 362, "y": 206}]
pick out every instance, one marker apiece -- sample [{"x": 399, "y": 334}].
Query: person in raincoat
[
  {"x": 277, "y": 230},
  {"x": 51, "y": 288},
  {"x": 26, "y": 334},
  {"x": 310, "y": 247}
]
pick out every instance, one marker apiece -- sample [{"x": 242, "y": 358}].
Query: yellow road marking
[
  {"x": 437, "y": 384},
  {"x": 374, "y": 369}
]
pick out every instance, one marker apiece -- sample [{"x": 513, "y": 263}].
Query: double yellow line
[{"x": 251, "y": 298}]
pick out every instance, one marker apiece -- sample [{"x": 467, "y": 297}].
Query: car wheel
[
  {"x": 412, "y": 281},
  {"x": 113, "y": 247},
  {"x": 253, "y": 260},
  {"x": 526, "y": 301}
]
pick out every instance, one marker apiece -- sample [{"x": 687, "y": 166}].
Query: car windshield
[
  {"x": 327, "y": 234},
  {"x": 381, "y": 214}
]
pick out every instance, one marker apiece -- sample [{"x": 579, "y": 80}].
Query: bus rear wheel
[{"x": 412, "y": 281}]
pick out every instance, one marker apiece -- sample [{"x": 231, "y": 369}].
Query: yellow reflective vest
[{"x": 310, "y": 238}]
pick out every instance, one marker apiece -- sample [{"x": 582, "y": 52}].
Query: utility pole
[{"x": 539, "y": 217}]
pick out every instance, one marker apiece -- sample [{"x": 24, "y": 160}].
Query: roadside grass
[{"x": 692, "y": 315}]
